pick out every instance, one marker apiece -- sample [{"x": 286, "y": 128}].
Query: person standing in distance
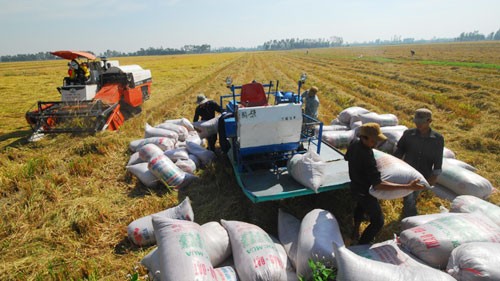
[
  {"x": 422, "y": 148},
  {"x": 206, "y": 110},
  {"x": 311, "y": 101},
  {"x": 363, "y": 173}
]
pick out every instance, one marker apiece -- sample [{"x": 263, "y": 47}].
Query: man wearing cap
[
  {"x": 422, "y": 148},
  {"x": 206, "y": 110},
  {"x": 363, "y": 173},
  {"x": 311, "y": 101}
]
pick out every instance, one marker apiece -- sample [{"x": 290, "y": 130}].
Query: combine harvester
[
  {"x": 265, "y": 136},
  {"x": 101, "y": 100}
]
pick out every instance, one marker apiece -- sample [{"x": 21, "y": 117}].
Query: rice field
[{"x": 66, "y": 201}]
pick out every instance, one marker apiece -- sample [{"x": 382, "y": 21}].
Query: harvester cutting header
[{"x": 97, "y": 95}]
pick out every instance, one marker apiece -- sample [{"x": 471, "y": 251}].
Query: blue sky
[{"x": 30, "y": 26}]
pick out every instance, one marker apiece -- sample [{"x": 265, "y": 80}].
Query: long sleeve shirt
[
  {"x": 206, "y": 110},
  {"x": 424, "y": 153},
  {"x": 311, "y": 104},
  {"x": 363, "y": 170}
]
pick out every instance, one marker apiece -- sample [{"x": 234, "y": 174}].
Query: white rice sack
[
  {"x": 226, "y": 273},
  {"x": 181, "y": 131},
  {"x": 443, "y": 192},
  {"x": 216, "y": 242},
  {"x": 194, "y": 137},
  {"x": 144, "y": 175},
  {"x": 327, "y": 128},
  {"x": 195, "y": 160},
  {"x": 150, "y": 132},
  {"x": 339, "y": 139},
  {"x": 288, "y": 234},
  {"x": 291, "y": 275},
  {"x": 475, "y": 261},
  {"x": 352, "y": 267},
  {"x": 141, "y": 232},
  {"x": 448, "y": 153},
  {"x": 183, "y": 256},
  {"x": 149, "y": 152},
  {"x": 382, "y": 119},
  {"x": 177, "y": 154},
  {"x": 393, "y": 134},
  {"x": 152, "y": 262},
  {"x": 472, "y": 204},
  {"x": 395, "y": 170},
  {"x": 355, "y": 124},
  {"x": 433, "y": 242},
  {"x": 308, "y": 169},
  {"x": 205, "y": 155},
  {"x": 255, "y": 256},
  {"x": 464, "y": 182},
  {"x": 462, "y": 164},
  {"x": 336, "y": 121},
  {"x": 207, "y": 128},
  {"x": 386, "y": 252},
  {"x": 346, "y": 114},
  {"x": 166, "y": 171},
  {"x": 187, "y": 166},
  {"x": 134, "y": 159},
  {"x": 183, "y": 122},
  {"x": 318, "y": 231},
  {"x": 414, "y": 221},
  {"x": 163, "y": 143}
]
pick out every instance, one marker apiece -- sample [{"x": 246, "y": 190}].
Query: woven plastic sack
[
  {"x": 393, "y": 134},
  {"x": 166, "y": 171},
  {"x": 382, "y": 119},
  {"x": 476, "y": 261},
  {"x": 318, "y": 231},
  {"x": 386, "y": 252},
  {"x": 205, "y": 155},
  {"x": 346, "y": 114},
  {"x": 308, "y": 169},
  {"x": 434, "y": 241},
  {"x": 187, "y": 166},
  {"x": 448, "y": 153},
  {"x": 414, "y": 221},
  {"x": 183, "y": 256},
  {"x": 255, "y": 256},
  {"x": 141, "y": 231},
  {"x": 395, "y": 170},
  {"x": 339, "y": 139},
  {"x": 443, "y": 192},
  {"x": 150, "y": 131},
  {"x": 134, "y": 159},
  {"x": 472, "y": 204},
  {"x": 288, "y": 234},
  {"x": 177, "y": 154},
  {"x": 456, "y": 162},
  {"x": 194, "y": 137},
  {"x": 351, "y": 267},
  {"x": 291, "y": 274},
  {"x": 149, "y": 151},
  {"x": 216, "y": 242},
  {"x": 181, "y": 131},
  {"x": 163, "y": 143},
  {"x": 207, "y": 128},
  {"x": 183, "y": 122},
  {"x": 464, "y": 182},
  {"x": 144, "y": 175}
]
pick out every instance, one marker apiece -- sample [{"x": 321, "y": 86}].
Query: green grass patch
[{"x": 461, "y": 64}]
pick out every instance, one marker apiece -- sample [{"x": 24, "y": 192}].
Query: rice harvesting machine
[
  {"x": 101, "y": 97},
  {"x": 264, "y": 128}
]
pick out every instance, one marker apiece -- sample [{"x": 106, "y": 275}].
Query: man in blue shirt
[{"x": 422, "y": 148}]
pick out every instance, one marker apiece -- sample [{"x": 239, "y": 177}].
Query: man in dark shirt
[
  {"x": 363, "y": 173},
  {"x": 206, "y": 110},
  {"x": 422, "y": 148}
]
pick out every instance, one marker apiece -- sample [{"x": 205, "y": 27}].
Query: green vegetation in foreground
[{"x": 462, "y": 64}]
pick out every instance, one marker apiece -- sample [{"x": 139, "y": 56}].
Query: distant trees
[
  {"x": 28, "y": 57},
  {"x": 295, "y": 43},
  {"x": 476, "y": 36}
]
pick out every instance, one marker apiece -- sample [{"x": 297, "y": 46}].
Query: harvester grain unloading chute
[{"x": 97, "y": 95}]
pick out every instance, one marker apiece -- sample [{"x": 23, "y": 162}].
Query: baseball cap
[
  {"x": 422, "y": 115},
  {"x": 372, "y": 130}
]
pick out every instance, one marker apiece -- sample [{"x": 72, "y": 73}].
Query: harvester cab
[{"x": 97, "y": 95}]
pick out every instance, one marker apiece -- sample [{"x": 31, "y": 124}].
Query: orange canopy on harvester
[{"x": 71, "y": 55}]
